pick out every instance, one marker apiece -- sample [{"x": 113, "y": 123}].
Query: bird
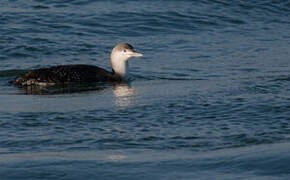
[{"x": 78, "y": 73}]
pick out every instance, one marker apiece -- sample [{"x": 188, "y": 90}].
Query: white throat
[{"x": 120, "y": 65}]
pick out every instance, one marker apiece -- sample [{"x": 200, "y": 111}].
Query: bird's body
[
  {"x": 81, "y": 73},
  {"x": 66, "y": 74}
]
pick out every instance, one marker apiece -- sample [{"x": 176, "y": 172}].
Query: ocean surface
[{"x": 210, "y": 98}]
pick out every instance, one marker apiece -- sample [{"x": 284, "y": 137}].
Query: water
[{"x": 209, "y": 100}]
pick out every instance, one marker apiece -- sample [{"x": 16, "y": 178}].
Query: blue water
[{"x": 210, "y": 99}]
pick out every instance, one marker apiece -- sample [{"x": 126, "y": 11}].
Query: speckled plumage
[{"x": 65, "y": 74}]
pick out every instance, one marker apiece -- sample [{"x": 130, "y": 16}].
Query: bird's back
[{"x": 64, "y": 74}]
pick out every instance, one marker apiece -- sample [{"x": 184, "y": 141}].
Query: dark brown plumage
[{"x": 65, "y": 74}]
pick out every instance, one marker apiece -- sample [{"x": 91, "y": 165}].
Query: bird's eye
[{"x": 124, "y": 50}]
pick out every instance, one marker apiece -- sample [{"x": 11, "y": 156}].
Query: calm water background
[{"x": 209, "y": 100}]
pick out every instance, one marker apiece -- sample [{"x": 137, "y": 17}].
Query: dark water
[{"x": 209, "y": 100}]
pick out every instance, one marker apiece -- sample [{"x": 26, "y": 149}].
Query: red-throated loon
[{"x": 82, "y": 73}]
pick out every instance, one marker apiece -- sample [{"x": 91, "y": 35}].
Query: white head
[{"x": 120, "y": 56}]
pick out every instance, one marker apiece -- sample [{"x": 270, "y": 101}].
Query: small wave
[
  {"x": 40, "y": 7},
  {"x": 283, "y": 78},
  {"x": 156, "y": 77}
]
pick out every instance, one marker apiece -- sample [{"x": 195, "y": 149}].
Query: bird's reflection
[
  {"x": 63, "y": 89},
  {"x": 124, "y": 94}
]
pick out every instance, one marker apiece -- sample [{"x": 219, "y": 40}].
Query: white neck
[{"x": 120, "y": 67}]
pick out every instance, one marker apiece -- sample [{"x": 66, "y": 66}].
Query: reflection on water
[
  {"x": 124, "y": 94},
  {"x": 62, "y": 88}
]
